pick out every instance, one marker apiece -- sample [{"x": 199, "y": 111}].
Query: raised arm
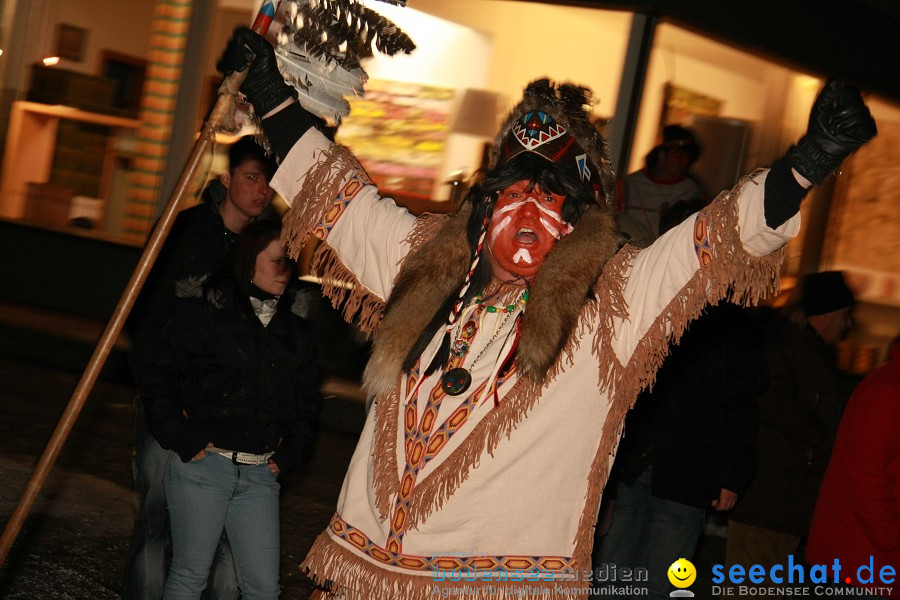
[
  {"x": 283, "y": 120},
  {"x": 839, "y": 123},
  {"x": 365, "y": 236},
  {"x": 731, "y": 247}
]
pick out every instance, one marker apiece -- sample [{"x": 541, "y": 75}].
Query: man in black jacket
[
  {"x": 689, "y": 444},
  {"x": 197, "y": 246}
]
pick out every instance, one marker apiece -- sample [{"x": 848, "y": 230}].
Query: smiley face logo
[{"x": 682, "y": 573}]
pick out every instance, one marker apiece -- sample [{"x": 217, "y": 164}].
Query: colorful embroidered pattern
[
  {"x": 421, "y": 441},
  {"x": 536, "y": 128},
  {"x": 702, "y": 246},
  {"x": 412, "y": 380},
  {"x": 421, "y": 447},
  {"x": 556, "y": 565},
  {"x": 337, "y": 208}
]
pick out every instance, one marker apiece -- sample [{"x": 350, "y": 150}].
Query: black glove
[
  {"x": 839, "y": 124},
  {"x": 264, "y": 86}
]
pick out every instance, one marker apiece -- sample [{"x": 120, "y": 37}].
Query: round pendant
[{"x": 456, "y": 381}]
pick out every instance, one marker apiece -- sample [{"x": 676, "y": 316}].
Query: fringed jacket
[{"x": 499, "y": 486}]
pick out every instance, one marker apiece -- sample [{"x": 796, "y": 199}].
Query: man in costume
[{"x": 510, "y": 338}]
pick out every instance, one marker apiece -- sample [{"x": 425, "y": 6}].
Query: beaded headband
[{"x": 553, "y": 121}]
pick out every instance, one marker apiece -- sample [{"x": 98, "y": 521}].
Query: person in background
[
  {"x": 857, "y": 514},
  {"x": 230, "y": 388},
  {"x": 664, "y": 181},
  {"x": 798, "y": 419},
  {"x": 197, "y": 246},
  {"x": 689, "y": 443}
]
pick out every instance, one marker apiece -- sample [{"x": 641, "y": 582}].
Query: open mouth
[{"x": 526, "y": 236}]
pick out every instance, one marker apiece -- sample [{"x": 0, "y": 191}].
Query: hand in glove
[
  {"x": 839, "y": 124},
  {"x": 264, "y": 86}
]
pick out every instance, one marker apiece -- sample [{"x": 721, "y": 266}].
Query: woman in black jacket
[{"x": 231, "y": 390}]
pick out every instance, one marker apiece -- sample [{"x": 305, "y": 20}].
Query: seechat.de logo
[{"x": 794, "y": 578}]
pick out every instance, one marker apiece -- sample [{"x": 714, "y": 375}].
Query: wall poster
[
  {"x": 680, "y": 105},
  {"x": 398, "y": 131}
]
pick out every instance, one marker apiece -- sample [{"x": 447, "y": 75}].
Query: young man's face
[
  {"x": 525, "y": 227},
  {"x": 248, "y": 188}
]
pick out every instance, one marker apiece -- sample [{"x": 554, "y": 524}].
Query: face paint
[
  {"x": 523, "y": 256},
  {"x": 525, "y": 227}
]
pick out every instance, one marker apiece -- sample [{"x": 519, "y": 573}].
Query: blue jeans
[
  {"x": 211, "y": 493},
  {"x": 150, "y": 540},
  {"x": 649, "y": 533}
]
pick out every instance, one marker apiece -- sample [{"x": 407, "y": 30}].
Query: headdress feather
[{"x": 568, "y": 105}]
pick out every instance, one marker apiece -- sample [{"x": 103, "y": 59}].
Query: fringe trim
[
  {"x": 436, "y": 488},
  {"x": 431, "y": 493},
  {"x": 426, "y": 227},
  {"x": 320, "y": 187},
  {"x": 428, "y": 276},
  {"x": 735, "y": 273},
  {"x": 385, "y": 475},
  {"x": 339, "y": 284},
  {"x": 610, "y": 304},
  {"x": 348, "y": 576}
]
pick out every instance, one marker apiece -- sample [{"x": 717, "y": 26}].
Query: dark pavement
[{"x": 75, "y": 542}]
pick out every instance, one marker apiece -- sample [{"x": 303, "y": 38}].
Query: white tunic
[{"x": 512, "y": 485}]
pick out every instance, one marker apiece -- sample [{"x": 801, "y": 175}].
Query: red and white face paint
[{"x": 525, "y": 226}]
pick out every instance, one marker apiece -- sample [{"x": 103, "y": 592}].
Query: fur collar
[
  {"x": 434, "y": 273},
  {"x": 428, "y": 277}
]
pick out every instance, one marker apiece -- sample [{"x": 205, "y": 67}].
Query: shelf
[{"x": 41, "y": 151}]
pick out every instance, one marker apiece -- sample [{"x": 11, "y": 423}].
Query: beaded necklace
[
  {"x": 523, "y": 299},
  {"x": 457, "y": 380}
]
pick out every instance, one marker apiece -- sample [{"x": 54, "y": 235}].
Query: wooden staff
[{"x": 222, "y": 113}]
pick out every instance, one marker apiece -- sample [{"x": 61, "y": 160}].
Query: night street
[{"x": 75, "y": 542}]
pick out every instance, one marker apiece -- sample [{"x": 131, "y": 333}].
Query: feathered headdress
[
  {"x": 553, "y": 121},
  {"x": 320, "y": 48}
]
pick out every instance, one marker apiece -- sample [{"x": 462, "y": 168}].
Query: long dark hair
[
  {"x": 250, "y": 242},
  {"x": 538, "y": 171},
  {"x": 232, "y": 283}
]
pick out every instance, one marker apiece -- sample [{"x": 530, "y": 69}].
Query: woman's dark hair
[
  {"x": 251, "y": 241},
  {"x": 538, "y": 171}
]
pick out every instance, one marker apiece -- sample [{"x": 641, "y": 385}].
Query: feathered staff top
[{"x": 322, "y": 44}]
